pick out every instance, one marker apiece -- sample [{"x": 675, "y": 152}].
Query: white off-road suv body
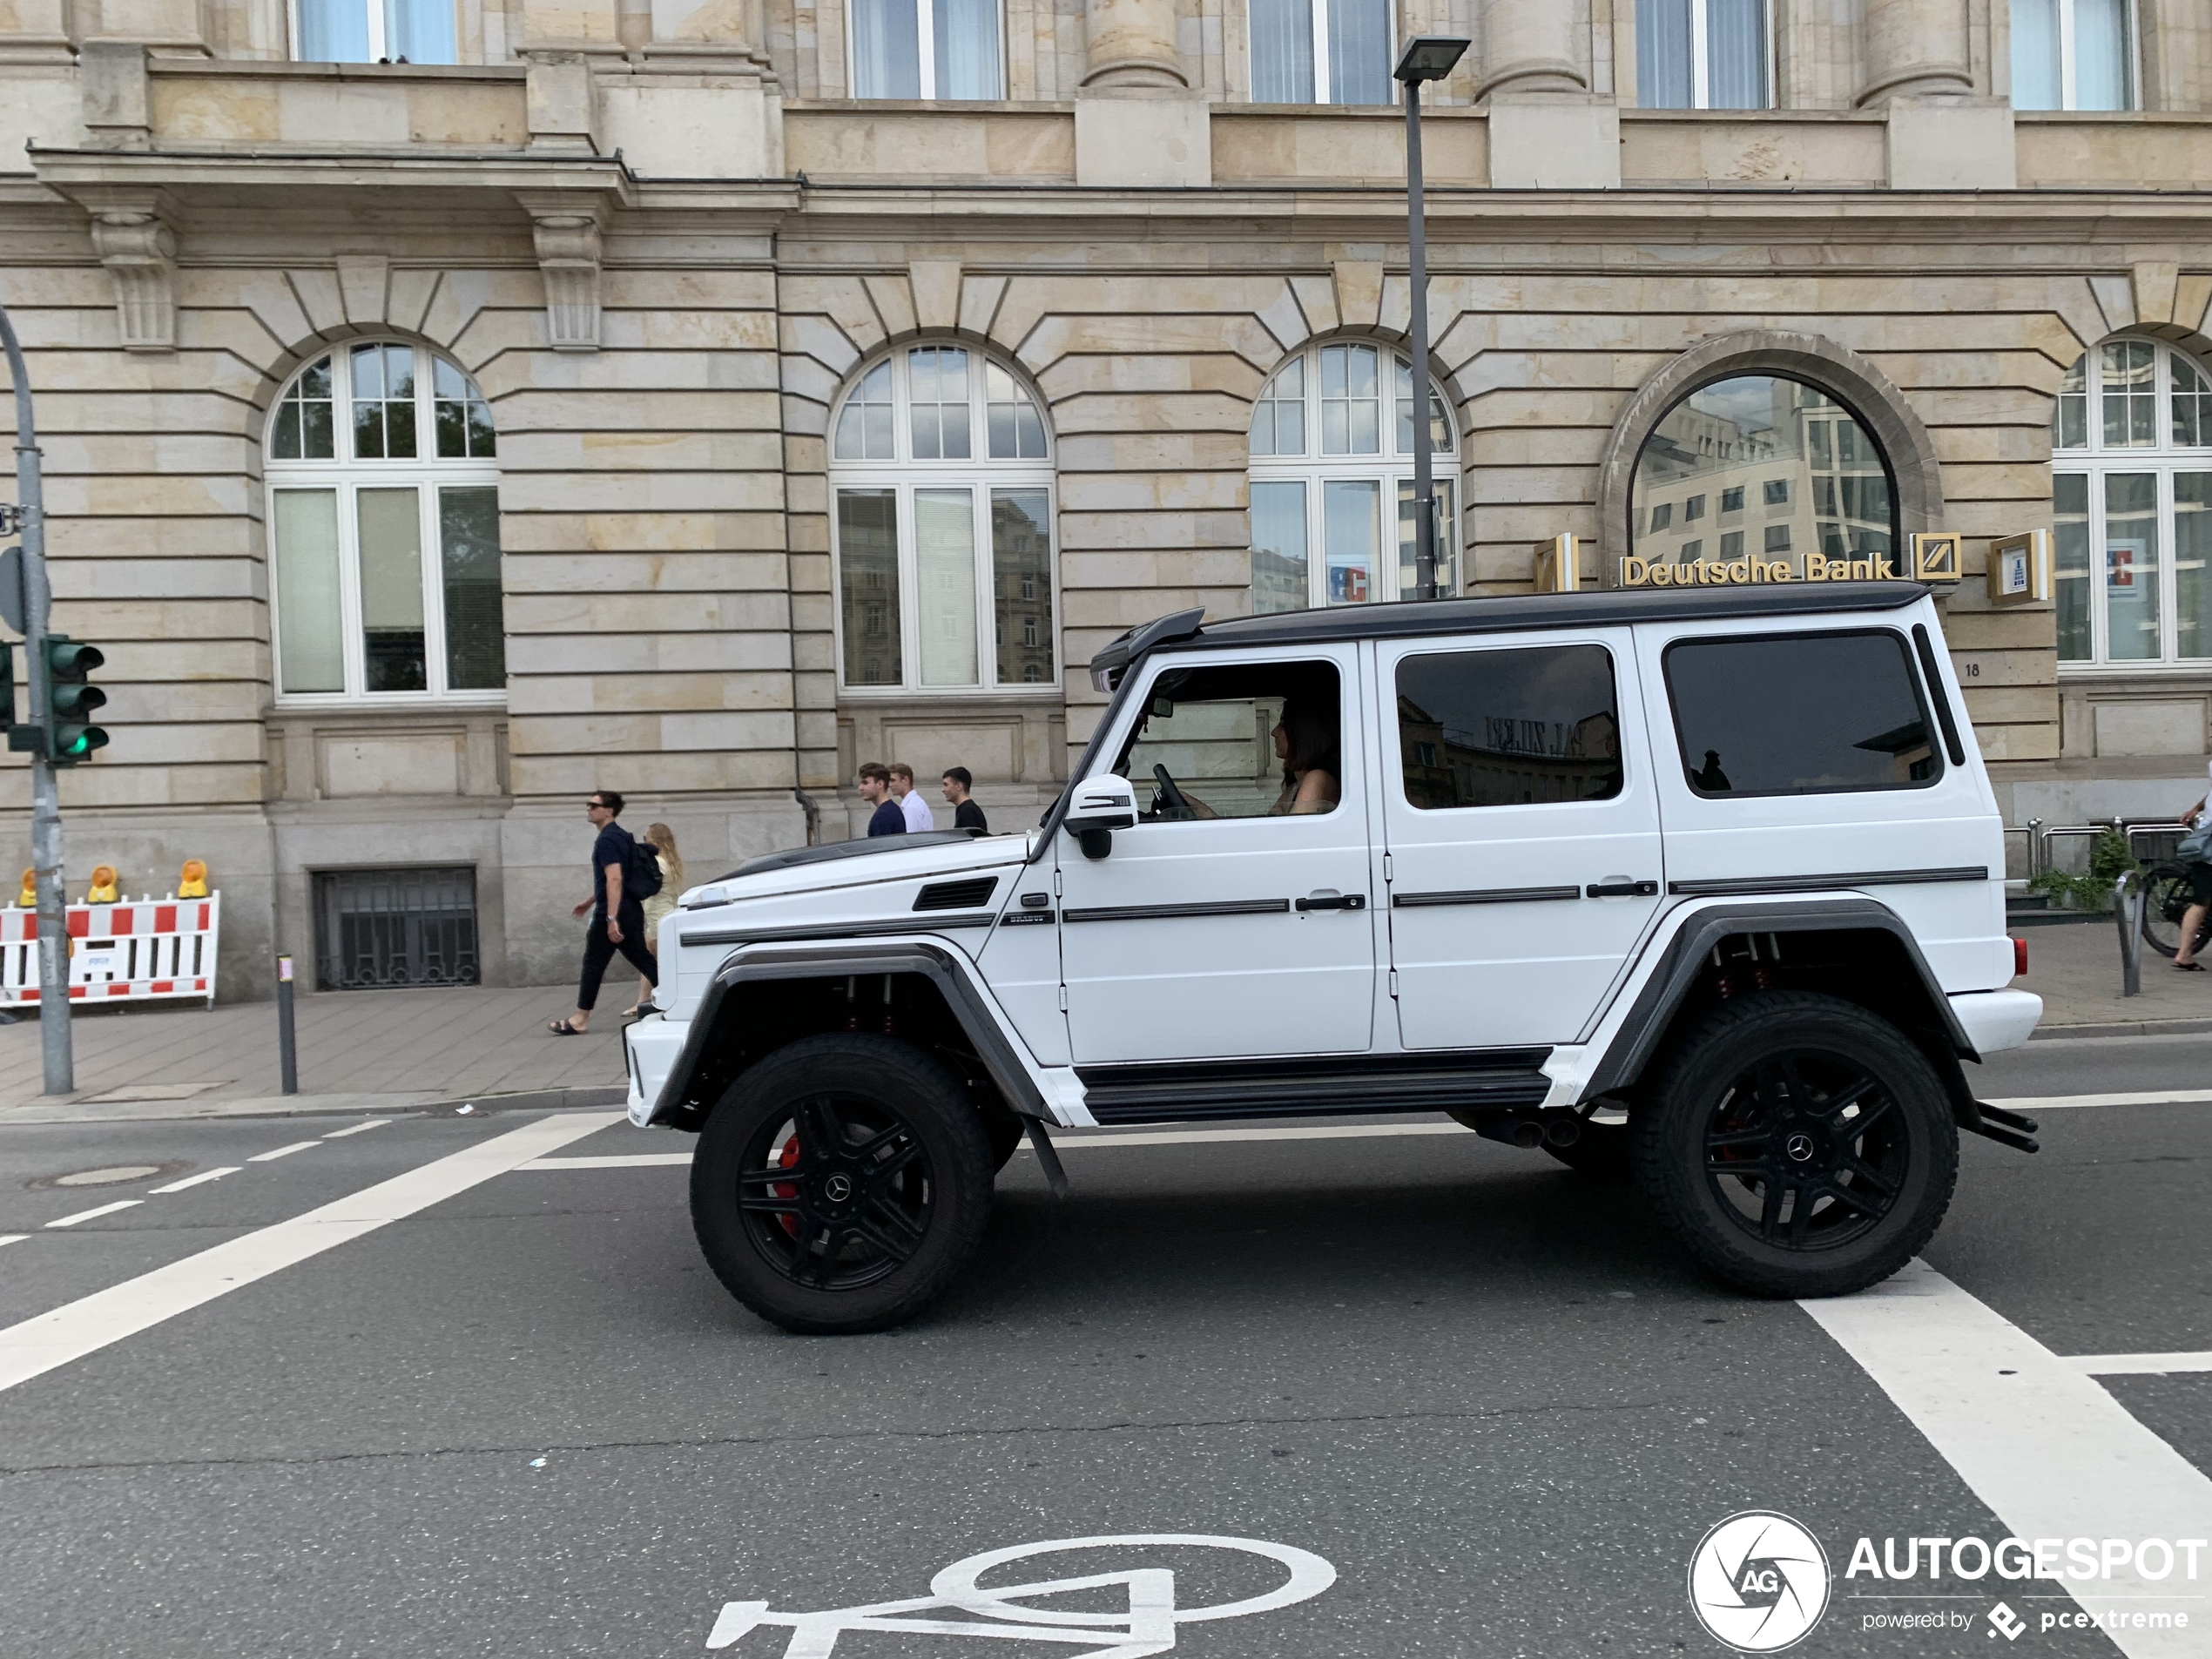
[{"x": 1549, "y": 864}]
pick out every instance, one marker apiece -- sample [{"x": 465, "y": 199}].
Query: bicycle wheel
[{"x": 2167, "y": 897}]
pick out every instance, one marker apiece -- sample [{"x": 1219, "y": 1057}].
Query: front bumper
[
  {"x": 1996, "y": 1021},
  {"x": 649, "y": 1048}
]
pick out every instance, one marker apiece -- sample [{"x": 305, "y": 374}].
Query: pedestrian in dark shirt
[
  {"x": 617, "y": 917},
  {"x": 875, "y": 789},
  {"x": 966, "y": 813}
]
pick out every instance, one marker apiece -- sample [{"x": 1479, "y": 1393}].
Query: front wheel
[
  {"x": 841, "y": 1184},
  {"x": 1798, "y": 1145}
]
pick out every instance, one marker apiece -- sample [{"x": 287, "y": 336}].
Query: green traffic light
[{"x": 68, "y": 735}]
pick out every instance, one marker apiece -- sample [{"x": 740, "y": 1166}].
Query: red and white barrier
[{"x": 154, "y": 947}]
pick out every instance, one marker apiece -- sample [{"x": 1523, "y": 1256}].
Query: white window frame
[
  {"x": 1389, "y": 467},
  {"x": 2163, "y": 459},
  {"x": 345, "y": 475},
  {"x": 1321, "y": 87},
  {"x": 378, "y": 49},
  {"x": 2070, "y": 94},
  {"x": 1700, "y": 61},
  {"x": 925, "y": 51},
  {"x": 978, "y": 474}
]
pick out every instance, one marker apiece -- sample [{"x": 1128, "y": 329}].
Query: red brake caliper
[{"x": 786, "y": 1159}]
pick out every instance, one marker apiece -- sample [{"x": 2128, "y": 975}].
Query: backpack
[{"x": 641, "y": 871}]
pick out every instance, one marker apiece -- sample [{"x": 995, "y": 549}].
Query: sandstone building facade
[{"x": 697, "y": 400}]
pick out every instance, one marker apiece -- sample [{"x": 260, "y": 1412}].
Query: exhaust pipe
[
  {"x": 1527, "y": 1133},
  {"x": 1562, "y": 1128}
]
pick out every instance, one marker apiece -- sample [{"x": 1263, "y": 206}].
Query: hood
[{"x": 869, "y": 862}]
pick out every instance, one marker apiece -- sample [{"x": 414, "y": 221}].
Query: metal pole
[
  {"x": 288, "y": 1046},
  {"x": 45, "y": 798},
  {"x": 1417, "y": 279},
  {"x": 2127, "y": 911}
]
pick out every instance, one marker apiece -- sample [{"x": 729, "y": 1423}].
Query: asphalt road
[{"x": 523, "y": 1418}]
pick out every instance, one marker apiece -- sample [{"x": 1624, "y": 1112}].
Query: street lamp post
[{"x": 1427, "y": 58}]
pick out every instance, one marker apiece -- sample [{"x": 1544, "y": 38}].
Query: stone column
[
  {"x": 1916, "y": 49},
  {"x": 1530, "y": 46},
  {"x": 1140, "y": 120}
]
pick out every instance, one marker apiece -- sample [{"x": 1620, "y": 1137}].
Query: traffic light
[{"x": 71, "y": 736}]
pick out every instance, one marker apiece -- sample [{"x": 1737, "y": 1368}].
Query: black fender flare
[
  {"x": 1683, "y": 951},
  {"x": 943, "y": 968}
]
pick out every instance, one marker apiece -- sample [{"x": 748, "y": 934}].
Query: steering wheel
[{"x": 1168, "y": 797}]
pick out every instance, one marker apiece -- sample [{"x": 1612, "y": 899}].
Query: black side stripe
[
  {"x": 841, "y": 930},
  {"x": 1164, "y": 911},
  {"x": 1483, "y": 895},
  {"x": 1732, "y": 885}
]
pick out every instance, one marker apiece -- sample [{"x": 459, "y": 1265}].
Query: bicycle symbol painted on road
[{"x": 1146, "y": 1626}]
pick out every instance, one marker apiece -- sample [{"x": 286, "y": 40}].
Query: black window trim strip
[
  {"x": 1732, "y": 886},
  {"x": 1936, "y": 695},
  {"x": 935, "y": 921},
  {"x": 1166, "y": 912},
  {"x": 1483, "y": 895}
]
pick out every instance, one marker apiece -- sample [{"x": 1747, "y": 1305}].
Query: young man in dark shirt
[
  {"x": 617, "y": 917},
  {"x": 966, "y": 813},
  {"x": 875, "y": 789}
]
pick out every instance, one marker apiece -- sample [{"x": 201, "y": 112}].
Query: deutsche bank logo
[{"x": 1758, "y": 1582}]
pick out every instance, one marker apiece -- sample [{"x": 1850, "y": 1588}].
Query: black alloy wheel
[
  {"x": 1798, "y": 1144},
  {"x": 842, "y": 1184}
]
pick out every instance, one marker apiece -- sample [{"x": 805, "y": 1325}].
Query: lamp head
[{"x": 1428, "y": 58}]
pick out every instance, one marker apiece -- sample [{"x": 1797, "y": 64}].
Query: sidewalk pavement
[
  {"x": 395, "y": 1050},
  {"x": 358, "y": 1051}
]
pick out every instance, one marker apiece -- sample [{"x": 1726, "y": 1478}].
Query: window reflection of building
[
  {"x": 1761, "y": 465},
  {"x": 1508, "y": 761}
]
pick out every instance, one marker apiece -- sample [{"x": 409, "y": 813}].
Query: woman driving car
[{"x": 1306, "y": 742}]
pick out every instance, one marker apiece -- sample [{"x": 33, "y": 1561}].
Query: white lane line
[
  {"x": 39, "y": 1345},
  {"x": 282, "y": 1152},
  {"x": 196, "y": 1180},
  {"x": 2064, "y": 1103},
  {"x": 2045, "y": 1447},
  {"x": 13, "y": 1239},
  {"x": 358, "y": 1129},
  {"x": 104, "y": 1210},
  {"x": 619, "y": 1161},
  {"x": 2137, "y": 1364}
]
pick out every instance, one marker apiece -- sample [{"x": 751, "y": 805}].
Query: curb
[
  {"x": 2122, "y": 1028},
  {"x": 319, "y": 1106}
]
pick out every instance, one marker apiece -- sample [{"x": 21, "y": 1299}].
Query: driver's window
[{"x": 1244, "y": 740}]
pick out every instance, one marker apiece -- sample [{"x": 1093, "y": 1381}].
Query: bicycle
[{"x": 2167, "y": 894}]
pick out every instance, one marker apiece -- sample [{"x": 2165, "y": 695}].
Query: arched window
[
  {"x": 2073, "y": 54},
  {"x": 1327, "y": 456},
  {"x": 1762, "y": 467},
  {"x": 2131, "y": 486},
  {"x": 1703, "y": 55},
  {"x": 940, "y": 471},
  {"x": 384, "y": 530}
]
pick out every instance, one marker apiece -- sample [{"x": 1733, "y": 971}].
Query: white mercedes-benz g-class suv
[{"x": 1703, "y": 885}]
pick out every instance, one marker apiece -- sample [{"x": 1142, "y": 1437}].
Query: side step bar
[{"x": 1499, "y": 1080}]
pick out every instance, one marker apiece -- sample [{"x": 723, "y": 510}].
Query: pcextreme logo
[{"x": 1759, "y": 1581}]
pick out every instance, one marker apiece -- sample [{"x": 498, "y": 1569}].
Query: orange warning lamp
[
  {"x": 28, "y": 899},
  {"x": 191, "y": 881},
  {"x": 103, "y": 889}
]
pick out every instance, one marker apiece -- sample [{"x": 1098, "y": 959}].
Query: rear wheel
[
  {"x": 1798, "y": 1145},
  {"x": 841, "y": 1184},
  {"x": 2167, "y": 894}
]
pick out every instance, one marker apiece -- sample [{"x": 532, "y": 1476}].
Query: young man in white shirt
[{"x": 919, "y": 821}]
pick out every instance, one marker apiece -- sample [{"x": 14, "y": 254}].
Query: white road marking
[
  {"x": 196, "y": 1180},
  {"x": 2137, "y": 1364},
  {"x": 41, "y": 1344},
  {"x": 13, "y": 1239},
  {"x": 2064, "y": 1103},
  {"x": 2044, "y": 1447},
  {"x": 619, "y": 1161},
  {"x": 358, "y": 1129},
  {"x": 104, "y": 1210},
  {"x": 282, "y": 1152}
]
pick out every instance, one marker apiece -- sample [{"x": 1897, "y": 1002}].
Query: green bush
[{"x": 2109, "y": 859}]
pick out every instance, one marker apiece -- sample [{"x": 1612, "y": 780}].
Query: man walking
[
  {"x": 919, "y": 822},
  {"x": 618, "y": 917},
  {"x": 966, "y": 813},
  {"x": 875, "y": 789}
]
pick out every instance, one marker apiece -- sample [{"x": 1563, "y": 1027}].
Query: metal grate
[{"x": 384, "y": 927}]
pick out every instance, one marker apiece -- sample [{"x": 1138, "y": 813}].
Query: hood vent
[{"x": 956, "y": 895}]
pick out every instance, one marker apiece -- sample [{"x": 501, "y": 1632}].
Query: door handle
[
  {"x": 1622, "y": 890},
  {"x": 1334, "y": 901}
]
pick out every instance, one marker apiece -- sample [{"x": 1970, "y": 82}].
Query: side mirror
[{"x": 1100, "y": 807}]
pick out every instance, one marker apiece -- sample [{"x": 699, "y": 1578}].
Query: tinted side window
[
  {"x": 1247, "y": 740},
  {"x": 1496, "y": 728},
  {"x": 1799, "y": 714}
]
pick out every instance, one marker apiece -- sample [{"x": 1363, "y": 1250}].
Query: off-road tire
[
  {"x": 1694, "y": 1090},
  {"x": 880, "y": 1079}
]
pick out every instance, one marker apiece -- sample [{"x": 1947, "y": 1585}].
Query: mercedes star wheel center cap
[
  {"x": 1799, "y": 1146},
  {"x": 838, "y": 1188}
]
